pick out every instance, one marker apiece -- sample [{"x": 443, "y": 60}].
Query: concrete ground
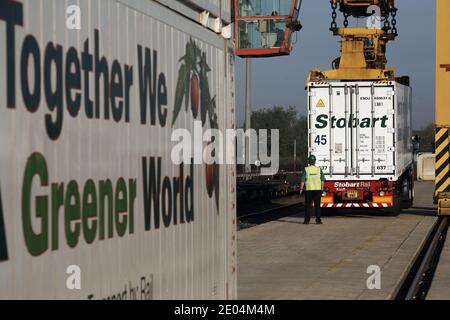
[
  {"x": 440, "y": 288},
  {"x": 285, "y": 259}
]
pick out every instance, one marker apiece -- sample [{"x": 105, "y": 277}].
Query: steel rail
[
  {"x": 272, "y": 210},
  {"x": 417, "y": 282}
]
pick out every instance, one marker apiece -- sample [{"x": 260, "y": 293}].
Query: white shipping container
[
  {"x": 220, "y": 9},
  {"x": 89, "y": 195},
  {"x": 360, "y": 130}
]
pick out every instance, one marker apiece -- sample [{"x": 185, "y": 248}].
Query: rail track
[
  {"x": 418, "y": 280},
  {"x": 256, "y": 218}
]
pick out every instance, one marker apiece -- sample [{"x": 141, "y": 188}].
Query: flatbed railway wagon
[
  {"x": 93, "y": 204},
  {"x": 360, "y": 133}
]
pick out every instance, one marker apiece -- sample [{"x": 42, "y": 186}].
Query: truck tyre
[
  {"x": 411, "y": 193},
  {"x": 396, "y": 209},
  {"x": 407, "y": 191}
]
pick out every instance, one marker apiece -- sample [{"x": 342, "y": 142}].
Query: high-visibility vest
[{"x": 313, "y": 179}]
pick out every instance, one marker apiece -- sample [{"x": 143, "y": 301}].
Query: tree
[
  {"x": 426, "y": 135},
  {"x": 291, "y": 127}
]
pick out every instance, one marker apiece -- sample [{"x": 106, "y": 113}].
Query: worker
[
  {"x": 312, "y": 179},
  {"x": 273, "y": 28}
]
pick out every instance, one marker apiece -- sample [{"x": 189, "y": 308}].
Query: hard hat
[{"x": 312, "y": 159}]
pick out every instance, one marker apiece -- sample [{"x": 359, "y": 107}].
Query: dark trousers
[{"x": 310, "y": 198}]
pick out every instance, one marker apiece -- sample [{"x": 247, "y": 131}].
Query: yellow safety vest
[{"x": 313, "y": 179}]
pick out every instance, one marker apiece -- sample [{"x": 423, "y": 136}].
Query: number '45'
[{"x": 321, "y": 140}]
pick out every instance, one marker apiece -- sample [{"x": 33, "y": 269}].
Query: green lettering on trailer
[
  {"x": 36, "y": 242},
  {"x": 3, "y": 246},
  {"x": 323, "y": 121}
]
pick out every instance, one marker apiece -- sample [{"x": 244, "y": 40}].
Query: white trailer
[
  {"x": 360, "y": 133},
  {"x": 91, "y": 204}
]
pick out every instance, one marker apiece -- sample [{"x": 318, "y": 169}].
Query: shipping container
[
  {"x": 92, "y": 203},
  {"x": 360, "y": 133},
  {"x": 212, "y": 13}
]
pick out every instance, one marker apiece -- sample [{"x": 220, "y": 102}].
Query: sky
[{"x": 281, "y": 80}]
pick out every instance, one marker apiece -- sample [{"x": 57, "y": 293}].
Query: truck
[
  {"x": 360, "y": 133},
  {"x": 92, "y": 204},
  {"x": 359, "y": 111}
]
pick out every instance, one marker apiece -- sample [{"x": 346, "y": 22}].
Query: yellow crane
[
  {"x": 442, "y": 192},
  {"x": 362, "y": 55}
]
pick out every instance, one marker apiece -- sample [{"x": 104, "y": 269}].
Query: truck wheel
[
  {"x": 397, "y": 208},
  {"x": 407, "y": 192},
  {"x": 411, "y": 194}
]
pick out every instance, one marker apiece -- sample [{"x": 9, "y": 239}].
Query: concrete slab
[
  {"x": 285, "y": 259},
  {"x": 440, "y": 288}
]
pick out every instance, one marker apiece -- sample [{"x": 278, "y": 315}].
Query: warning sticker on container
[
  {"x": 320, "y": 104},
  {"x": 338, "y": 148}
]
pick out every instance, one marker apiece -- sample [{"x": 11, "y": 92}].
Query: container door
[
  {"x": 372, "y": 124},
  {"x": 329, "y": 135}
]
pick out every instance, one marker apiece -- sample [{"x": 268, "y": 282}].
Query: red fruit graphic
[
  {"x": 210, "y": 179},
  {"x": 216, "y": 183},
  {"x": 195, "y": 95}
]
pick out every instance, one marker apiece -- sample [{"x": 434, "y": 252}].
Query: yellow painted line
[
  {"x": 440, "y": 133},
  {"x": 444, "y": 186},
  {"x": 442, "y": 160},
  {"x": 440, "y": 177},
  {"x": 442, "y": 147}
]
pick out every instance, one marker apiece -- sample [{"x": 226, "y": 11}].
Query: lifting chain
[
  {"x": 387, "y": 24},
  {"x": 346, "y": 15},
  {"x": 333, "y": 15},
  {"x": 390, "y": 10},
  {"x": 394, "y": 20}
]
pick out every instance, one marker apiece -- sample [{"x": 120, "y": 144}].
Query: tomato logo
[
  {"x": 195, "y": 98},
  {"x": 193, "y": 88}
]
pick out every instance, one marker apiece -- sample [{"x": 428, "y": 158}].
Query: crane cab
[{"x": 264, "y": 28}]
